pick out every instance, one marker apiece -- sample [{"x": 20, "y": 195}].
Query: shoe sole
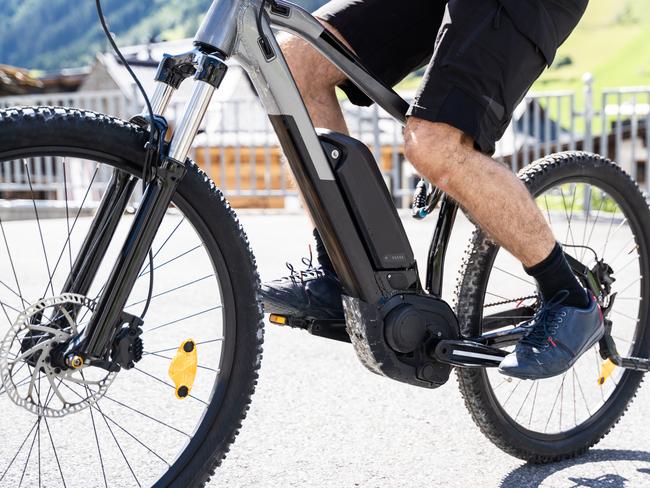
[
  {"x": 278, "y": 308},
  {"x": 595, "y": 337}
]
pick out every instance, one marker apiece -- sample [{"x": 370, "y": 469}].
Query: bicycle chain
[{"x": 521, "y": 299}]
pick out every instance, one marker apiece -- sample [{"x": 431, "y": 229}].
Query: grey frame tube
[
  {"x": 280, "y": 95},
  {"x": 221, "y": 31}
]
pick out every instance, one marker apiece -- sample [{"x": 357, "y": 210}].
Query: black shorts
[{"x": 482, "y": 55}]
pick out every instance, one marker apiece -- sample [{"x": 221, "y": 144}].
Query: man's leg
[
  {"x": 317, "y": 80},
  {"x": 482, "y": 67},
  {"x": 491, "y": 193},
  {"x": 495, "y": 198}
]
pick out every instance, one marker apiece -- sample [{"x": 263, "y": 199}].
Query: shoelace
[
  {"x": 546, "y": 322},
  {"x": 310, "y": 272}
]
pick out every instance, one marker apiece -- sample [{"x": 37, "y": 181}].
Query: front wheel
[
  {"x": 602, "y": 219},
  {"x": 88, "y": 427}
]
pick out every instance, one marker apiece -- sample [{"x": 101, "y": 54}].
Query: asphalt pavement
[{"x": 319, "y": 419}]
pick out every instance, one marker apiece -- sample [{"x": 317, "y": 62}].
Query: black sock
[
  {"x": 554, "y": 274},
  {"x": 321, "y": 253}
]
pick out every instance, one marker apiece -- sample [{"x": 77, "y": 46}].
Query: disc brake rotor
[{"x": 28, "y": 377}]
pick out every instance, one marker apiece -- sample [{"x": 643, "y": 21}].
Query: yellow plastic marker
[
  {"x": 278, "y": 319},
  {"x": 605, "y": 371},
  {"x": 182, "y": 369}
]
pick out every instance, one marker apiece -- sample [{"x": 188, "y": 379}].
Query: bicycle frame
[{"x": 359, "y": 226}]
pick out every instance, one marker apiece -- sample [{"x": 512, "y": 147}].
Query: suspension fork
[
  {"x": 94, "y": 341},
  {"x": 100, "y": 234}
]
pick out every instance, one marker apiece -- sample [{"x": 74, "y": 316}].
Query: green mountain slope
[
  {"x": 54, "y": 34},
  {"x": 612, "y": 42}
]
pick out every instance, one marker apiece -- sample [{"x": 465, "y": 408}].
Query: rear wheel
[
  {"x": 92, "y": 428},
  {"x": 598, "y": 213}
]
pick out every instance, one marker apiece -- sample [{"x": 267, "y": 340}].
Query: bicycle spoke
[
  {"x": 512, "y": 392},
  {"x": 530, "y": 420},
  {"x": 515, "y": 276},
  {"x": 635, "y": 319},
  {"x": 622, "y": 251},
  {"x": 67, "y": 210},
  {"x": 182, "y": 319},
  {"x": 167, "y": 384},
  {"x": 597, "y": 357},
  {"x": 198, "y": 365},
  {"x": 627, "y": 287},
  {"x": 56, "y": 456},
  {"x": 132, "y": 436},
  {"x": 38, "y": 223},
  {"x": 13, "y": 266},
  {"x": 120, "y": 449},
  {"x": 575, "y": 414},
  {"x": 18, "y": 451},
  {"x": 169, "y": 237},
  {"x": 146, "y": 271},
  {"x": 525, "y": 398},
  {"x": 609, "y": 231},
  {"x": 554, "y": 403},
  {"x": 92, "y": 419},
  {"x": 29, "y": 454},
  {"x": 568, "y": 216},
  {"x": 14, "y": 292},
  {"x": 133, "y": 304},
  {"x": 593, "y": 225},
  {"x": 219, "y": 339},
  {"x": 147, "y": 416},
  {"x": 584, "y": 398},
  {"x": 74, "y": 223},
  {"x": 4, "y": 304}
]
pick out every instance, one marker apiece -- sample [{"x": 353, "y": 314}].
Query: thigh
[
  {"x": 392, "y": 38},
  {"x": 482, "y": 67}
]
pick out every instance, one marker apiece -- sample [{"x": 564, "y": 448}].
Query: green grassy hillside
[{"x": 612, "y": 42}]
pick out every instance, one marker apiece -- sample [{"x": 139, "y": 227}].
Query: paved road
[{"x": 319, "y": 419}]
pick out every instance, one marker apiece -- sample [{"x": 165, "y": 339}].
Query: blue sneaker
[{"x": 558, "y": 336}]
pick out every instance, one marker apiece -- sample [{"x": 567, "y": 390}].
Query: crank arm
[
  {"x": 468, "y": 354},
  {"x": 503, "y": 338},
  {"x": 507, "y": 318}
]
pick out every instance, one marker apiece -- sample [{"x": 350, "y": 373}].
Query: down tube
[{"x": 306, "y": 157}]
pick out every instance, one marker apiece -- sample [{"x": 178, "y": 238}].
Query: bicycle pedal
[
  {"x": 637, "y": 364},
  {"x": 329, "y": 329}
]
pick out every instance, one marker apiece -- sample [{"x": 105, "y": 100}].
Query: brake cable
[
  {"x": 156, "y": 140},
  {"x": 260, "y": 30}
]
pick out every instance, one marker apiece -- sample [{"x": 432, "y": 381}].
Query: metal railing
[{"x": 238, "y": 148}]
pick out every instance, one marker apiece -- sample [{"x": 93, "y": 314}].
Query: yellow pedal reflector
[
  {"x": 182, "y": 369},
  {"x": 605, "y": 371},
  {"x": 278, "y": 319}
]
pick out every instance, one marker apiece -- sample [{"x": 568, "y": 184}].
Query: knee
[
  {"x": 436, "y": 150},
  {"x": 312, "y": 72}
]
